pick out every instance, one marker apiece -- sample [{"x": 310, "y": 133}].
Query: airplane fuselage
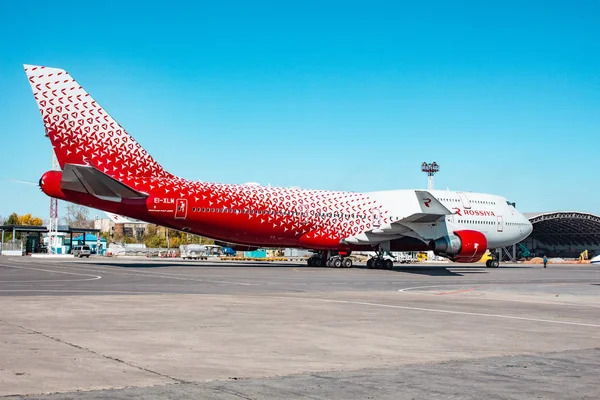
[{"x": 317, "y": 219}]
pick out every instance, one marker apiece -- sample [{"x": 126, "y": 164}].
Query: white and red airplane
[{"x": 105, "y": 168}]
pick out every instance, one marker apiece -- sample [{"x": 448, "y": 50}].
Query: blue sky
[{"x": 320, "y": 94}]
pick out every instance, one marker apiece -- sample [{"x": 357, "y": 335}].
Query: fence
[{"x": 12, "y": 248}]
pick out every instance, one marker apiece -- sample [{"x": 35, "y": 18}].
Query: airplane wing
[
  {"x": 431, "y": 211},
  {"x": 87, "y": 179}
]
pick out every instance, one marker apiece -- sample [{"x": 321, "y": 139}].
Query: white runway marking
[
  {"x": 480, "y": 283},
  {"x": 92, "y": 277},
  {"x": 406, "y": 290},
  {"x": 435, "y": 310},
  {"x": 137, "y": 272},
  {"x": 71, "y": 291}
]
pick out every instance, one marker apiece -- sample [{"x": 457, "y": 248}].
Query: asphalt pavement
[{"x": 140, "y": 328}]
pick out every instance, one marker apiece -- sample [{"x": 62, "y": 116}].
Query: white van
[{"x": 81, "y": 251}]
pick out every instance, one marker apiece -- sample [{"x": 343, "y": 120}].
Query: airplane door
[
  {"x": 181, "y": 208},
  {"x": 500, "y": 223},
  {"x": 464, "y": 200},
  {"x": 376, "y": 215}
]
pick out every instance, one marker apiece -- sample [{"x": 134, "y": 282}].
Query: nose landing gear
[{"x": 493, "y": 263}]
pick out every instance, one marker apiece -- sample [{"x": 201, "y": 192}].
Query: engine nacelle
[{"x": 465, "y": 246}]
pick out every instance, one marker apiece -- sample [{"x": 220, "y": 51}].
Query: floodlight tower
[
  {"x": 53, "y": 225},
  {"x": 430, "y": 169}
]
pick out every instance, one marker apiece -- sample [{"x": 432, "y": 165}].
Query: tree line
[{"x": 77, "y": 216}]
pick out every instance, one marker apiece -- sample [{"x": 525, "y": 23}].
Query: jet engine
[{"x": 465, "y": 246}]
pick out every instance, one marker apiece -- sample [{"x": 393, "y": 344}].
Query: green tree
[
  {"x": 153, "y": 238},
  {"x": 106, "y": 236},
  {"x": 155, "y": 241},
  {"x": 175, "y": 242},
  {"x": 204, "y": 240},
  {"x": 129, "y": 239},
  {"x": 13, "y": 219}
]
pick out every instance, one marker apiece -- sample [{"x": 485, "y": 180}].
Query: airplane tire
[
  {"x": 495, "y": 263},
  {"x": 347, "y": 263},
  {"x": 337, "y": 263},
  {"x": 487, "y": 264},
  {"x": 370, "y": 263},
  {"x": 388, "y": 264},
  {"x": 377, "y": 263}
]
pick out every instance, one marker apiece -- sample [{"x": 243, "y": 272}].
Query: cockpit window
[{"x": 513, "y": 204}]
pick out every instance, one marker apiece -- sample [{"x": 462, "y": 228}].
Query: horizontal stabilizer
[{"x": 87, "y": 179}]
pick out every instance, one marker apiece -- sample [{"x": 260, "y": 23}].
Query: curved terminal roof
[{"x": 565, "y": 228}]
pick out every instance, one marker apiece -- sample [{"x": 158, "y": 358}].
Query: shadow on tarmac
[
  {"x": 432, "y": 271},
  {"x": 166, "y": 264},
  {"x": 441, "y": 270}
]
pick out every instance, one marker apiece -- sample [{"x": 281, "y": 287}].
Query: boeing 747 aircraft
[{"x": 105, "y": 168}]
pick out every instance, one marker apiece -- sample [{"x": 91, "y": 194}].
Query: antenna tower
[{"x": 53, "y": 226}]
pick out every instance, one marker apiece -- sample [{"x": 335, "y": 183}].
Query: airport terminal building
[{"x": 564, "y": 234}]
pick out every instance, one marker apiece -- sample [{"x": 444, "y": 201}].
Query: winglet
[{"x": 430, "y": 205}]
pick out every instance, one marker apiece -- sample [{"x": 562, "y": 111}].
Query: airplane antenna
[
  {"x": 53, "y": 225},
  {"x": 430, "y": 169}
]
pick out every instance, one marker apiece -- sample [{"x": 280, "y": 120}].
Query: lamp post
[{"x": 430, "y": 169}]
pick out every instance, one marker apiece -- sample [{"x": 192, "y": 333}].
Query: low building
[
  {"x": 97, "y": 244},
  {"x": 564, "y": 234},
  {"x": 34, "y": 239}
]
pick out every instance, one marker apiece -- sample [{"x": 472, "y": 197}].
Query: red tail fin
[{"x": 81, "y": 131}]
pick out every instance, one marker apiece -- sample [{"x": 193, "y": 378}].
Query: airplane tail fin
[{"x": 81, "y": 132}]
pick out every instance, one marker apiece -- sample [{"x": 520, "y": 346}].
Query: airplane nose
[{"x": 529, "y": 227}]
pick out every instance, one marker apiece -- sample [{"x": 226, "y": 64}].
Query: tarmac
[{"x": 169, "y": 329}]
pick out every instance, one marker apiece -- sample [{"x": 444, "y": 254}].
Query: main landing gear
[
  {"x": 493, "y": 263},
  {"x": 327, "y": 259},
  {"x": 380, "y": 261}
]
